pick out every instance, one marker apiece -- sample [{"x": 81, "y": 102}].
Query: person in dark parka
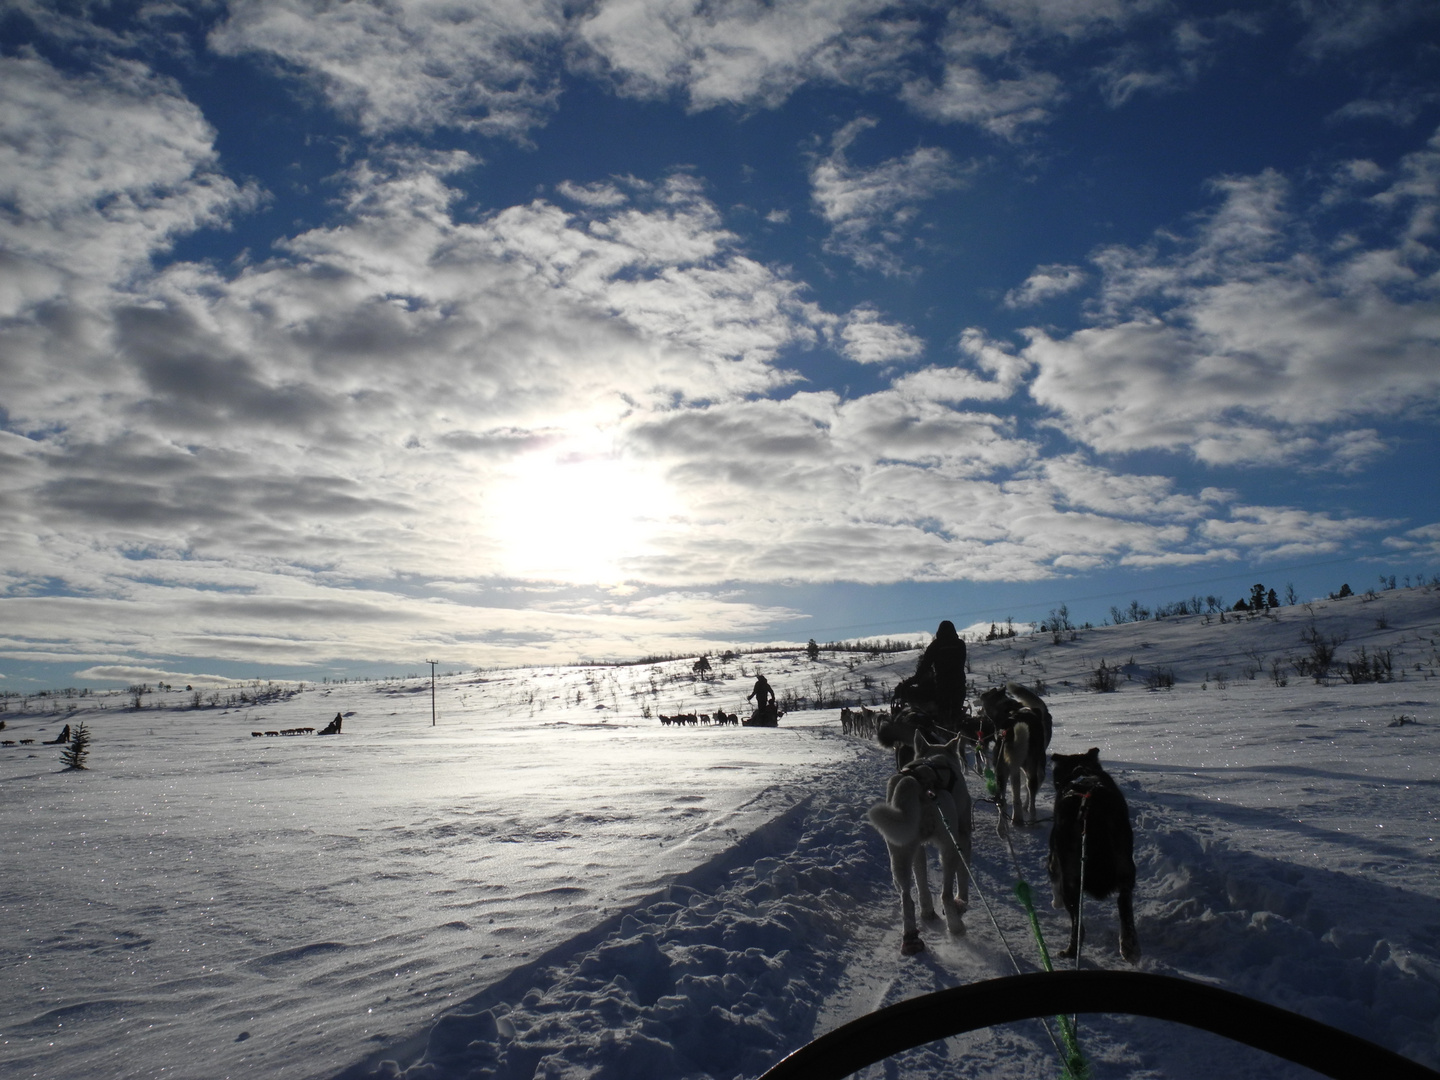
[
  {"x": 943, "y": 665},
  {"x": 762, "y": 693}
]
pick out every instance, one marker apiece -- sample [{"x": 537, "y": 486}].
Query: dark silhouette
[
  {"x": 937, "y": 688},
  {"x": 334, "y": 726},
  {"x": 767, "y": 710},
  {"x": 63, "y": 737},
  {"x": 762, "y": 693}
]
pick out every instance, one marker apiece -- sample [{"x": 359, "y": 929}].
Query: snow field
[{"x": 548, "y": 883}]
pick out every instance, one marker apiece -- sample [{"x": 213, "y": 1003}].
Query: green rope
[{"x": 1075, "y": 1066}]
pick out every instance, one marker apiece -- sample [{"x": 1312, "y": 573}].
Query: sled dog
[
  {"x": 1022, "y": 728},
  {"x": 1091, "y": 818},
  {"x": 899, "y": 731},
  {"x": 927, "y": 803},
  {"x": 1001, "y": 705}
]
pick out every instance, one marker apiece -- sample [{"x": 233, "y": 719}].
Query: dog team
[{"x": 927, "y": 803}]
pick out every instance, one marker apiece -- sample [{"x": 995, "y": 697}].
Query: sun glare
[{"x": 574, "y": 517}]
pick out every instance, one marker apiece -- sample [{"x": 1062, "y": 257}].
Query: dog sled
[
  {"x": 908, "y": 1024},
  {"x": 764, "y": 716}
]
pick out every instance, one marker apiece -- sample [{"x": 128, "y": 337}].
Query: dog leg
[
  {"x": 901, "y": 867},
  {"x": 922, "y": 883},
  {"x": 1002, "y": 781},
  {"x": 1035, "y": 779},
  {"x": 956, "y": 897},
  {"x": 1129, "y": 943},
  {"x": 1067, "y": 895}
]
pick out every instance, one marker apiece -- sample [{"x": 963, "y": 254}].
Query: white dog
[{"x": 927, "y": 802}]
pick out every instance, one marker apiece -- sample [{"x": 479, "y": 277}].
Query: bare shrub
[
  {"x": 1160, "y": 678},
  {"x": 1103, "y": 679}
]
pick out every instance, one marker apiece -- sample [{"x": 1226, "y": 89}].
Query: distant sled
[{"x": 765, "y": 716}]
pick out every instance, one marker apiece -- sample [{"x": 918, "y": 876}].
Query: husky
[
  {"x": 926, "y": 802},
  {"x": 1001, "y": 705},
  {"x": 899, "y": 730},
  {"x": 1091, "y": 841},
  {"x": 1021, "y": 733}
]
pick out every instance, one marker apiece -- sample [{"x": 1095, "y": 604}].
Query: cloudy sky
[{"x": 339, "y": 336}]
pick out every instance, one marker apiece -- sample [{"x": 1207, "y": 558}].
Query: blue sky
[{"x": 334, "y": 337}]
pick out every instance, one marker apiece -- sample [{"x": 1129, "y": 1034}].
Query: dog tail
[
  {"x": 1018, "y": 748},
  {"x": 898, "y": 821},
  {"x": 1027, "y": 697}
]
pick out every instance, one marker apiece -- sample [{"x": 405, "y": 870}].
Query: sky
[{"x": 335, "y": 338}]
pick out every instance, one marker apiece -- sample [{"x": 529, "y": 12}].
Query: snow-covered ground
[{"x": 548, "y": 882}]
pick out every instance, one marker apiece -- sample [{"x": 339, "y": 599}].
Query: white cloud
[
  {"x": 1240, "y": 344},
  {"x": 415, "y": 63},
  {"x": 1341, "y": 26},
  {"x": 1287, "y": 532},
  {"x": 98, "y": 172},
  {"x": 870, "y": 211},
  {"x": 1045, "y": 283},
  {"x": 743, "y": 51},
  {"x": 1423, "y": 542},
  {"x": 397, "y": 369},
  {"x": 959, "y": 384},
  {"x": 869, "y": 340},
  {"x": 975, "y": 43},
  {"x": 594, "y": 195}
]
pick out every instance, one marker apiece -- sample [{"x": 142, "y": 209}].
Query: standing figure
[
  {"x": 943, "y": 665},
  {"x": 762, "y": 693}
]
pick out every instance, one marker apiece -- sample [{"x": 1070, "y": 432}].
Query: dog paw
[
  {"x": 911, "y": 944},
  {"x": 930, "y": 915},
  {"x": 1130, "y": 951}
]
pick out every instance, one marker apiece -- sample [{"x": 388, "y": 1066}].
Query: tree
[
  {"x": 701, "y": 667},
  {"x": 1345, "y": 591},
  {"x": 78, "y": 749},
  {"x": 812, "y": 650},
  {"x": 1257, "y": 597},
  {"x": 1272, "y": 601}
]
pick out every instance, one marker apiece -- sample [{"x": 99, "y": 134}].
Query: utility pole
[{"x": 432, "y": 664}]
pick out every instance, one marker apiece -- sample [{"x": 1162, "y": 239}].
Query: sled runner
[{"x": 876, "y": 1036}]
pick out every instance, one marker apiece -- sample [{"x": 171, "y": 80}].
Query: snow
[{"x": 548, "y": 882}]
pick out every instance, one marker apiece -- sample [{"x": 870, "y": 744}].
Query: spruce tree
[{"x": 78, "y": 749}]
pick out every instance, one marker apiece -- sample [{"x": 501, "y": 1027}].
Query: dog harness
[
  {"x": 934, "y": 775},
  {"x": 1081, "y": 787}
]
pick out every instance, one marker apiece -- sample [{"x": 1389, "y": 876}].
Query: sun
[{"x": 576, "y": 516}]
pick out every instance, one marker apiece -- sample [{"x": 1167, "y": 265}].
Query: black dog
[
  {"x": 1002, "y": 705},
  {"x": 1091, "y": 818},
  {"x": 1019, "y": 727}
]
